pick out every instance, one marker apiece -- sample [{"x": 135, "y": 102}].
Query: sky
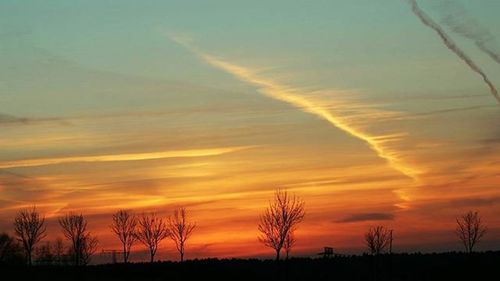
[{"x": 357, "y": 107}]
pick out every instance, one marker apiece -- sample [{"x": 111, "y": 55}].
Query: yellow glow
[{"x": 122, "y": 157}]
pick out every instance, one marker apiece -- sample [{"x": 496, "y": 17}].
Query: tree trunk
[
  {"x": 182, "y": 256},
  {"x": 29, "y": 259},
  {"x": 125, "y": 257},
  {"x": 278, "y": 254}
]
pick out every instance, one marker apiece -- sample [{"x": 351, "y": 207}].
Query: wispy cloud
[
  {"x": 6, "y": 119},
  {"x": 368, "y": 217},
  {"x": 297, "y": 98},
  {"x": 455, "y": 17},
  {"x": 122, "y": 157}
]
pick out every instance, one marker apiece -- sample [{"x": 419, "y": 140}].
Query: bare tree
[
  {"x": 124, "y": 226},
  {"x": 89, "y": 247},
  {"x": 29, "y": 228},
  {"x": 59, "y": 250},
  {"x": 83, "y": 244},
  {"x": 281, "y": 217},
  {"x": 378, "y": 239},
  {"x": 151, "y": 231},
  {"x": 180, "y": 229},
  {"x": 289, "y": 243},
  {"x": 470, "y": 229}
]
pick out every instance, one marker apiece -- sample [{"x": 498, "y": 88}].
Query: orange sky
[{"x": 369, "y": 129}]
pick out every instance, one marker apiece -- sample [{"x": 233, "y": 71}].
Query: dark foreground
[{"x": 447, "y": 266}]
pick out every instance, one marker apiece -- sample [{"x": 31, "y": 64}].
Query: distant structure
[
  {"x": 113, "y": 254},
  {"x": 327, "y": 252}
]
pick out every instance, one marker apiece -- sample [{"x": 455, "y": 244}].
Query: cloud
[
  {"x": 367, "y": 217},
  {"x": 7, "y": 119},
  {"x": 122, "y": 157},
  {"x": 475, "y": 202},
  {"x": 456, "y": 18},
  {"x": 320, "y": 108}
]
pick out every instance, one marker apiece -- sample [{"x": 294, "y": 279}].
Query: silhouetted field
[{"x": 444, "y": 266}]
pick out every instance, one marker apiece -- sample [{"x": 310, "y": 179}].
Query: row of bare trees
[
  {"x": 277, "y": 226},
  {"x": 30, "y": 229},
  {"x": 151, "y": 230},
  {"x": 148, "y": 229}
]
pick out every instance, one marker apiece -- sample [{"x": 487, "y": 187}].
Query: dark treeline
[{"x": 443, "y": 266}]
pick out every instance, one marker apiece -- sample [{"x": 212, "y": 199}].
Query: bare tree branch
[
  {"x": 289, "y": 243},
  {"x": 470, "y": 230},
  {"x": 281, "y": 217},
  {"x": 377, "y": 239},
  {"x": 151, "y": 231},
  {"x": 29, "y": 229},
  {"x": 180, "y": 229},
  {"x": 125, "y": 226},
  {"x": 83, "y": 244}
]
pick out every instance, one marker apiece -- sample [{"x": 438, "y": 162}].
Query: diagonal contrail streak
[{"x": 293, "y": 97}]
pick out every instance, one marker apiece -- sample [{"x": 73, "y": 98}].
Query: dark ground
[{"x": 445, "y": 266}]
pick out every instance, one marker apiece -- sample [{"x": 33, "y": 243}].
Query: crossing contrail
[
  {"x": 455, "y": 17},
  {"x": 426, "y": 20}
]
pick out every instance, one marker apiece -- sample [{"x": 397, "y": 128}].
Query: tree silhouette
[
  {"x": 89, "y": 247},
  {"x": 29, "y": 229},
  {"x": 124, "y": 226},
  {"x": 470, "y": 229},
  {"x": 180, "y": 229},
  {"x": 378, "y": 239},
  {"x": 83, "y": 244},
  {"x": 281, "y": 217},
  {"x": 151, "y": 231},
  {"x": 289, "y": 243},
  {"x": 59, "y": 250},
  {"x": 10, "y": 250}
]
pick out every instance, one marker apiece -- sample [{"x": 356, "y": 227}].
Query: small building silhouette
[
  {"x": 113, "y": 254},
  {"x": 327, "y": 252}
]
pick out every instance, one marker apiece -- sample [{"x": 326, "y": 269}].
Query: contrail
[
  {"x": 291, "y": 96},
  {"x": 455, "y": 17},
  {"x": 122, "y": 157},
  {"x": 426, "y": 20}
]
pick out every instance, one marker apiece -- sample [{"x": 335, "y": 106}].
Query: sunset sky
[{"x": 355, "y": 106}]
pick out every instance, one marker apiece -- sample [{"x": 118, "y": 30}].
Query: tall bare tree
[
  {"x": 124, "y": 226},
  {"x": 289, "y": 243},
  {"x": 378, "y": 239},
  {"x": 151, "y": 231},
  {"x": 281, "y": 217},
  {"x": 180, "y": 229},
  {"x": 470, "y": 230},
  {"x": 29, "y": 228},
  {"x": 83, "y": 244}
]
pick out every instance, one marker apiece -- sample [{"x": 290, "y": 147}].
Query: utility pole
[{"x": 390, "y": 242}]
